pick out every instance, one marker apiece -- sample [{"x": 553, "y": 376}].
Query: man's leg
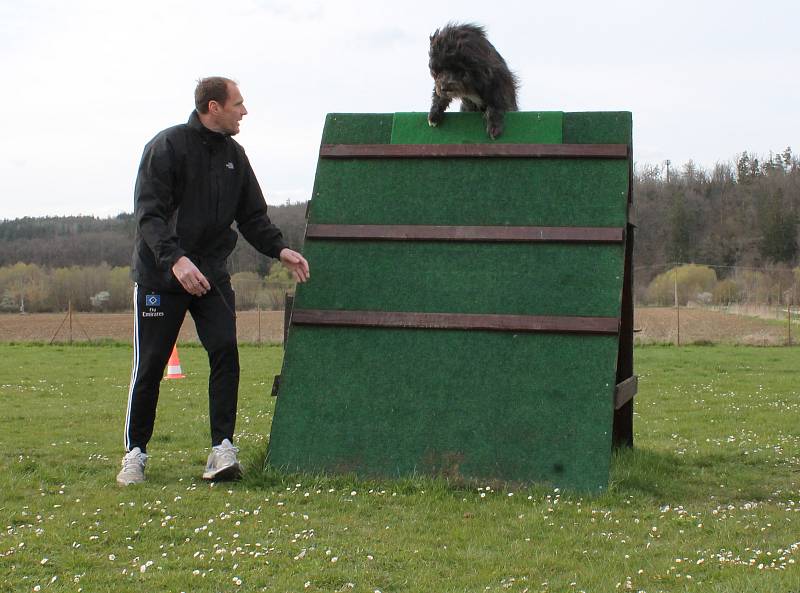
[
  {"x": 157, "y": 320},
  {"x": 215, "y": 320}
]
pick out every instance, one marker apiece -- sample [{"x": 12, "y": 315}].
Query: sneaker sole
[
  {"x": 124, "y": 482},
  {"x": 232, "y": 472}
]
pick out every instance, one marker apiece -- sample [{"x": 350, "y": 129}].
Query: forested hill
[
  {"x": 59, "y": 242},
  {"x": 738, "y": 214},
  {"x": 744, "y": 213}
]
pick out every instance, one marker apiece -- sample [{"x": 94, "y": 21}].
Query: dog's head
[{"x": 457, "y": 54}]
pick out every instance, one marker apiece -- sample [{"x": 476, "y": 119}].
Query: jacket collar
[{"x": 195, "y": 123}]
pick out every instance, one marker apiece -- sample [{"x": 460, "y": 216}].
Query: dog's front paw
[
  {"x": 435, "y": 118},
  {"x": 495, "y": 124},
  {"x": 494, "y": 130}
]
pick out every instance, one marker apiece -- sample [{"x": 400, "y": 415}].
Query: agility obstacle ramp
[{"x": 469, "y": 313}]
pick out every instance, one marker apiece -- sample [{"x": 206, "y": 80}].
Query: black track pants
[{"x": 157, "y": 320}]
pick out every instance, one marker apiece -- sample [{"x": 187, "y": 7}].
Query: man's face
[{"x": 228, "y": 116}]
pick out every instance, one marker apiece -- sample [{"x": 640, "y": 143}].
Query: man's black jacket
[{"x": 192, "y": 185}]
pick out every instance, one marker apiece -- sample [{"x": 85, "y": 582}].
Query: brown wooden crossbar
[
  {"x": 414, "y": 151},
  {"x": 624, "y": 392},
  {"x": 461, "y": 321},
  {"x": 413, "y": 232}
]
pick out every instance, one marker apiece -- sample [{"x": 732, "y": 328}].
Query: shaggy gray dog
[{"x": 466, "y": 66}]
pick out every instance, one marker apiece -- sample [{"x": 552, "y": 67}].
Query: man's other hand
[
  {"x": 296, "y": 263},
  {"x": 190, "y": 277}
]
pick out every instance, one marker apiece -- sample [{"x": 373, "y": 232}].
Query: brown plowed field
[
  {"x": 656, "y": 325},
  {"x": 42, "y": 327},
  {"x": 652, "y": 324}
]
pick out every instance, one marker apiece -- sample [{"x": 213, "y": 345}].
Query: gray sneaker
[
  {"x": 132, "y": 468},
  {"x": 222, "y": 463}
]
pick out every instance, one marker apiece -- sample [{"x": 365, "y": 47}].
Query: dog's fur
[{"x": 465, "y": 65}]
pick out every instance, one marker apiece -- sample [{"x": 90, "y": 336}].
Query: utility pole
[{"x": 667, "y": 163}]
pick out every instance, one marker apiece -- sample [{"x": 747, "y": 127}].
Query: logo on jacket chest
[{"x": 229, "y": 165}]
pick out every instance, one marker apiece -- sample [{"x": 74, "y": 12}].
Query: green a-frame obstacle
[{"x": 470, "y": 309}]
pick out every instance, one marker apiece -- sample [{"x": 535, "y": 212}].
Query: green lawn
[{"x": 709, "y": 500}]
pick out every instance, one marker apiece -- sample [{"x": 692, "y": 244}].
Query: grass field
[{"x": 709, "y": 500}]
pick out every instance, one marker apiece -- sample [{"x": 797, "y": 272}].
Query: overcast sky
[{"x": 88, "y": 82}]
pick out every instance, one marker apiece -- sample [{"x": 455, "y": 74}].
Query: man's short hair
[{"x": 213, "y": 88}]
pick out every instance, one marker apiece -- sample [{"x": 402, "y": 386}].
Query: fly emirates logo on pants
[{"x": 152, "y": 302}]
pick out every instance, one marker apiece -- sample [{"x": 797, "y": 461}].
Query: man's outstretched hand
[
  {"x": 190, "y": 277},
  {"x": 296, "y": 263}
]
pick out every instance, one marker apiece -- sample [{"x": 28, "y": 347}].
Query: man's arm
[
  {"x": 154, "y": 200},
  {"x": 154, "y": 203},
  {"x": 258, "y": 230}
]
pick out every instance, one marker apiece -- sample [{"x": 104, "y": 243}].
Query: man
[{"x": 194, "y": 181}]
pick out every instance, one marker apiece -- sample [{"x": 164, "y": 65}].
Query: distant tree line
[
  {"x": 722, "y": 286},
  {"x": 59, "y": 242},
  {"x": 30, "y": 288},
  {"x": 739, "y": 214},
  {"x": 48, "y": 263}
]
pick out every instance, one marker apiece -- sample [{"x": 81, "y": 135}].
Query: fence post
[{"x": 677, "y": 305}]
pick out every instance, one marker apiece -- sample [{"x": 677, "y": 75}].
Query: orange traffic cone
[{"x": 174, "y": 365}]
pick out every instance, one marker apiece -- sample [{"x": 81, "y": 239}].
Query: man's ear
[{"x": 214, "y": 107}]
